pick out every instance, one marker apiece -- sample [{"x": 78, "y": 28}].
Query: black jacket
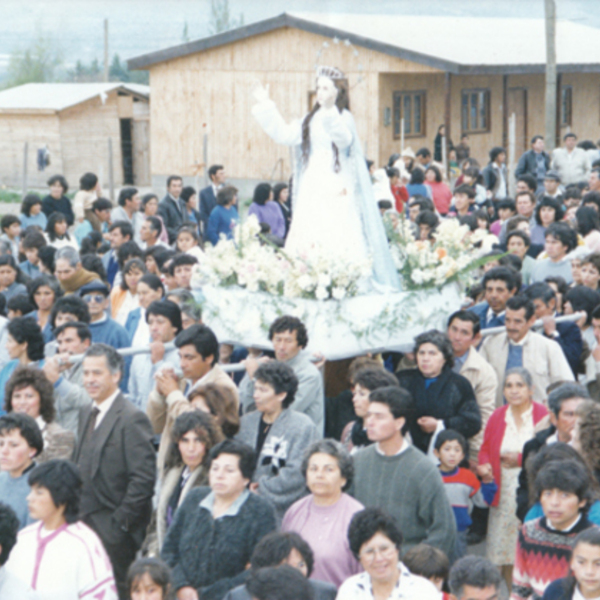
[
  {"x": 529, "y": 449},
  {"x": 173, "y": 216},
  {"x": 528, "y": 164},
  {"x": 322, "y": 591},
  {"x": 450, "y": 398},
  {"x": 62, "y": 205},
  {"x": 211, "y": 555}
]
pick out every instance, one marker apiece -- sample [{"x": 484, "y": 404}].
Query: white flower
[
  {"x": 321, "y": 293},
  {"x": 339, "y": 293}
]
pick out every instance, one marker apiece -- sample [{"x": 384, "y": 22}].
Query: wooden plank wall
[
  {"x": 36, "y": 129},
  {"x": 211, "y": 92},
  {"x": 84, "y": 131}
]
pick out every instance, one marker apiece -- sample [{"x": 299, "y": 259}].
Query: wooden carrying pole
[
  {"x": 24, "y": 181},
  {"x": 551, "y": 103}
]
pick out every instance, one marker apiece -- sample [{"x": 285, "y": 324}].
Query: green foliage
[
  {"x": 220, "y": 18},
  {"x": 118, "y": 71},
  {"x": 85, "y": 73},
  {"x": 38, "y": 63}
]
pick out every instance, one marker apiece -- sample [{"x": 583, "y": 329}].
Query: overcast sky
[{"x": 139, "y": 26}]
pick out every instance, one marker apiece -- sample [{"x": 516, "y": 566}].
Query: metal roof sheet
[{"x": 58, "y": 96}]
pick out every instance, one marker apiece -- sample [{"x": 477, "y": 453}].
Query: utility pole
[
  {"x": 550, "y": 12},
  {"x": 105, "y": 49}
]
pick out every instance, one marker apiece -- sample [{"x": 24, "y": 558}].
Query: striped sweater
[
  {"x": 464, "y": 491},
  {"x": 542, "y": 556}
]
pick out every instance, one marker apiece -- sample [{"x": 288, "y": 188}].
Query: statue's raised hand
[{"x": 260, "y": 92}]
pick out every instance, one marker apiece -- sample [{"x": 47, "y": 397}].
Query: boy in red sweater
[{"x": 544, "y": 544}]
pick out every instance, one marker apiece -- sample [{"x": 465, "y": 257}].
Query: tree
[
  {"x": 38, "y": 63},
  {"x": 82, "y": 73},
  {"x": 118, "y": 71},
  {"x": 220, "y": 19}
]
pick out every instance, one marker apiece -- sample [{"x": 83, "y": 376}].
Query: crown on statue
[{"x": 330, "y": 72}]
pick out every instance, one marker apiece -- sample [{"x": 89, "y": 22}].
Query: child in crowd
[
  {"x": 188, "y": 242},
  {"x": 149, "y": 578},
  {"x": 56, "y": 232},
  {"x": 11, "y": 230},
  {"x": 431, "y": 563},
  {"x": 584, "y": 580},
  {"x": 506, "y": 210},
  {"x": 31, "y": 212},
  {"x": 463, "y": 488},
  {"x": 544, "y": 544}
]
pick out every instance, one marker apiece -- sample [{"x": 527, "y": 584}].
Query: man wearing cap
[
  {"x": 534, "y": 162},
  {"x": 164, "y": 319},
  {"x": 104, "y": 329},
  {"x": 552, "y": 187}
]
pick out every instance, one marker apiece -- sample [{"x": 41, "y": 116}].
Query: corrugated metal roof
[
  {"x": 456, "y": 44},
  {"x": 58, "y": 96},
  {"x": 471, "y": 40}
]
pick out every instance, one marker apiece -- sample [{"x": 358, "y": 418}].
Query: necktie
[{"x": 92, "y": 422}]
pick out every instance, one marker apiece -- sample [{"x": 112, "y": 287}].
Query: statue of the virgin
[{"x": 333, "y": 203}]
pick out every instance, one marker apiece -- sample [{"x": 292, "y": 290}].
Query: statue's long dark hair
[{"x": 342, "y": 102}]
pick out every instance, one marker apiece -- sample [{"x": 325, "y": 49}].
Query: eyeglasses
[
  {"x": 97, "y": 298},
  {"x": 370, "y": 553}
]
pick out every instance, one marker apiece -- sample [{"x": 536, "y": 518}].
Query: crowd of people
[{"x": 164, "y": 475}]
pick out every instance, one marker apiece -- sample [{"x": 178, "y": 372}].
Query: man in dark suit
[
  {"x": 120, "y": 233},
  {"x": 208, "y": 196},
  {"x": 171, "y": 208},
  {"x": 568, "y": 335},
  {"x": 500, "y": 284},
  {"x": 116, "y": 460}
]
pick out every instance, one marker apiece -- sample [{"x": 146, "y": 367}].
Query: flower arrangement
[
  {"x": 250, "y": 264},
  {"x": 451, "y": 256}
]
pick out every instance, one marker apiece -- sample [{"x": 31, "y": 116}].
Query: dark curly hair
[
  {"x": 440, "y": 340},
  {"x": 26, "y": 330},
  {"x": 23, "y": 377},
  {"x": 281, "y": 378},
  {"x": 276, "y": 546},
  {"x": 223, "y": 406},
  {"x": 201, "y": 423},
  {"x": 288, "y": 323},
  {"x": 369, "y": 522}
]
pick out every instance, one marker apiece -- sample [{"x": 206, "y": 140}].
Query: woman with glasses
[{"x": 375, "y": 541}]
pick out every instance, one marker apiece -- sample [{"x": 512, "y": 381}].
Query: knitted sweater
[
  {"x": 211, "y": 555},
  {"x": 410, "y": 488},
  {"x": 278, "y": 468},
  {"x": 14, "y": 492},
  {"x": 542, "y": 555}
]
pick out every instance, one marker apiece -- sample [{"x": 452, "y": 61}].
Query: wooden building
[
  {"x": 472, "y": 73},
  {"x": 73, "y": 123}
]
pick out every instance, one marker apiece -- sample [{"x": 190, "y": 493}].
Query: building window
[
  {"x": 409, "y": 106},
  {"x": 566, "y": 105},
  {"x": 475, "y": 111}
]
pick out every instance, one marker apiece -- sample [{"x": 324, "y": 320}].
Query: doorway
[{"x": 127, "y": 151}]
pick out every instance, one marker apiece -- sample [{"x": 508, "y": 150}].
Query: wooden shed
[
  {"x": 472, "y": 73},
  {"x": 73, "y": 123}
]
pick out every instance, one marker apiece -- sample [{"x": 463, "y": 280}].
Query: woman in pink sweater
[{"x": 322, "y": 518}]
